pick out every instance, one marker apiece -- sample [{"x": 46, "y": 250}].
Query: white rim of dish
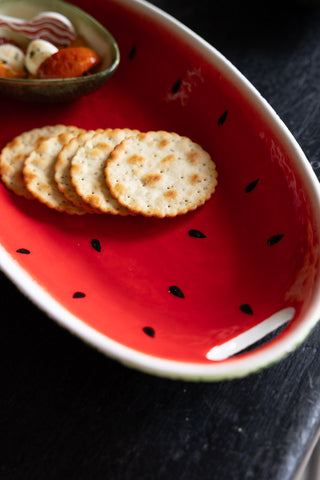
[{"x": 234, "y": 367}]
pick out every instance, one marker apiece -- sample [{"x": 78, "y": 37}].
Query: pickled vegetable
[{"x": 68, "y": 63}]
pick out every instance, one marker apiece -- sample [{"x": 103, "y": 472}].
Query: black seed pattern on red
[
  {"x": 196, "y": 234},
  {"x": 223, "y": 118},
  {"x": 132, "y": 52},
  {"x": 275, "y": 239},
  {"x": 246, "y": 308},
  {"x": 176, "y": 291},
  {"x": 96, "y": 244},
  {"x": 176, "y": 86},
  {"x": 149, "y": 331},
  {"x": 251, "y": 186},
  {"x": 79, "y": 295},
  {"x": 23, "y": 250}
]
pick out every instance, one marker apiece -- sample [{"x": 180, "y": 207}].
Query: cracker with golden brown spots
[
  {"x": 38, "y": 173},
  {"x": 63, "y": 165},
  {"x": 88, "y": 166},
  {"x": 16, "y": 151},
  {"x": 160, "y": 174}
]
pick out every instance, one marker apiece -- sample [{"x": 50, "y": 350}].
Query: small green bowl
[{"x": 68, "y": 89}]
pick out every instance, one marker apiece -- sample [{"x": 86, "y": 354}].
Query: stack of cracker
[{"x": 114, "y": 171}]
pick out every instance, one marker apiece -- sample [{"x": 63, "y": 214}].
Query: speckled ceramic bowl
[
  {"x": 56, "y": 90},
  {"x": 217, "y": 293}
]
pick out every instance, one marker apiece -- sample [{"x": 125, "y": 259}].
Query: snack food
[
  {"x": 63, "y": 166},
  {"x": 38, "y": 172},
  {"x": 160, "y": 174},
  {"x": 68, "y": 62},
  {"x": 12, "y": 55},
  {"x": 37, "y": 52},
  {"x": 87, "y": 170},
  {"x": 55, "y": 50},
  {"x": 16, "y": 151},
  {"x": 116, "y": 171}
]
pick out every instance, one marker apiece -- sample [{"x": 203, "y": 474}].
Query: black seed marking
[
  {"x": 246, "y": 308},
  {"x": 196, "y": 234},
  {"x": 149, "y": 331},
  {"x": 133, "y": 52},
  {"x": 79, "y": 295},
  {"x": 223, "y": 118},
  {"x": 96, "y": 244},
  {"x": 275, "y": 239},
  {"x": 23, "y": 250},
  {"x": 176, "y": 86},
  {"x": 251, "y": 185},
  {"x": 176, "y": 291}
]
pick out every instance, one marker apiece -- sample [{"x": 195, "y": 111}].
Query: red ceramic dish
[{"x": 163, "y": 295}]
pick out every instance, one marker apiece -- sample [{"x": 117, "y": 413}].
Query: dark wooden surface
[{"x": 68, "y": 412}]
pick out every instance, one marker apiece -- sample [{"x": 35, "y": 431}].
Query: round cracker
[
  {"x": 63, "y": 165},
  {"x": 13, "y": 156},
  {"x": 87, "y": 170},
  {"x": 160, "y": 174},
  {"x": 38, "y": 173}
]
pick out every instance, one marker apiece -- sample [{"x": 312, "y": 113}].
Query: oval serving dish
[
  {"x": 67, "y": 89},
  {"x": 185, "y": 297}
]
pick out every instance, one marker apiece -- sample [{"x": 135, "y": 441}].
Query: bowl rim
[{"x": 78, "y": 80}]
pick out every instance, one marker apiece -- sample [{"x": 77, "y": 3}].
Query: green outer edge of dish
[{"x": 211, "y": 377}]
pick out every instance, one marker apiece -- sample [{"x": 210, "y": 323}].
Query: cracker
[
  {"x": 38, "y": 173},
  {"x": 87, "y": 170},
  {"x": 63, "y": 165},
  {"x": 16, "y": 151},
  {"x": 160, "y": 174}
]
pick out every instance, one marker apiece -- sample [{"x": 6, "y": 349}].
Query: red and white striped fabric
[{"x": 51, "y": 26}]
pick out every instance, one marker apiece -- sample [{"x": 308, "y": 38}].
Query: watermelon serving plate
[{"x": 217, "y": 293}]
